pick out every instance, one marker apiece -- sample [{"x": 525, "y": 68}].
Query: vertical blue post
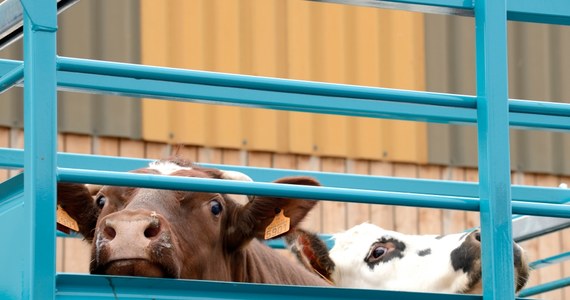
[
  {"x": 40, "y": 132},
  {"x": 493, "y": 143}
]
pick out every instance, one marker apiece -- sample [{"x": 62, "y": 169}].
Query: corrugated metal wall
[
  {"x": 303, "y": 40},
  {"x": 103, "y": 29},
  {"x": 539, "y": 69},
  {"x": 290, "y": 39}
]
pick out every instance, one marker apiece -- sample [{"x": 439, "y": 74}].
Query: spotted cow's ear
[
  {"x": 77, "y": 201},
  {"x": 311, "y": 252},
  {"x": 257, "y": 217}
]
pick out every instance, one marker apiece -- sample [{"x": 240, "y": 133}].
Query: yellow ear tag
[
  {"x": 279, "y": 225},
  {"x": 65, "y": 220}
]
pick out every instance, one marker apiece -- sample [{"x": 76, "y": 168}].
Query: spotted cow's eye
[
  {"x": 215, "y": 207},
  {"x": 100, "y": 201},
  {"x": 376, "y": 253}
]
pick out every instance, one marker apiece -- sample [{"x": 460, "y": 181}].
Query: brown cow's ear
[
  {"x": 254, "y": 219},
  {"x": 77, "y": 201}
]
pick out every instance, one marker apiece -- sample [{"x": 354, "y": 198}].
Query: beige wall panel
[
  {"x": 382, "y": 215},
  {"x": 264, "y": 36},
  {"x": 293, "y": 39},
  {"x": 357, "y": 213},
  {"x": 186, "y": 28},
  {"x": 154, "y": 41},
  {"x": 224, "y": 124},
  {"x": 301, "y": 125},
  {"x": 333, "y": 212},
  {"x": 454, "y": 220},
  {"x": 406, "y": 218},
  {"x": 430, "y": 220},
  {"x": 472, "y": 218},
  {"x": 329, "y": 63},
  {"x": 157, "y": 150}
]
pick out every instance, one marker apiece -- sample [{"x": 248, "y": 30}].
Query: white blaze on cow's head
[
  {"x": 367, "y": 256},
  {"x": 184, "y": 234}
]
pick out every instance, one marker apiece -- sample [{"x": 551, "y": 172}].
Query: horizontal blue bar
[
  {"x": 285, "y": 94},
  {"x": 297, "y": 191},
  {"x": 545, "y": 287},
  {"x": 462, "y": 4},
  {"x": 266, "y": 189},
  {"x": 11, "y": 78},
  {"x": 72, "y": 286},
  {"x": 550, "y": 12},
  {"x": 13, "y": 158},
  {"x": 545, "y": 262},
  {"x": 77, "y": 65}
]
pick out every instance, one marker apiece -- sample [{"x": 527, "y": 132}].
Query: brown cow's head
[{"x": 177, "y": 234}]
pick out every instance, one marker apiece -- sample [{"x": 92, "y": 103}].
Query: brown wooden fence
[{"x": 329, "y": 217}]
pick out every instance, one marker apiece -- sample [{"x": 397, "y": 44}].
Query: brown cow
[{"x": 182, "y": 234}]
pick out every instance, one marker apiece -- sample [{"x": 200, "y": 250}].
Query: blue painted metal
[
  {"x": 84, "y": 286},
  {"x": 11, "y": 78},
  {"x": 308, "y": 192},
  {"x": 549, "y": 261},
  {"x": 490, "y": 110},
  {"x": 210, "y": 87},
  {"x": 270, "y": 189},
  {"x": 14, "y": 158},
  {"x": 546, "y": 287},
  {"x": 551, "y": 12},
  {"x": 493, "y": 149},
  {"x": 39, "y": 155},
  {"x": 12, "y": 215}
]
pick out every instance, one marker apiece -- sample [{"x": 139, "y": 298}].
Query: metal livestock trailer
[{"x": 27, "y": 201}]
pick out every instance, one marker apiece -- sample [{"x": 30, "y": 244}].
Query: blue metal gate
[{"x": 27, "y": 201}]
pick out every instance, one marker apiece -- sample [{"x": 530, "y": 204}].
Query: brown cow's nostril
[
  {"x": 110, "y": 232},
  {"x": 152, "y": 231}
]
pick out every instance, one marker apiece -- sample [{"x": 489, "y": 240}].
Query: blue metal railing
[{"x": 490, "y": 110}]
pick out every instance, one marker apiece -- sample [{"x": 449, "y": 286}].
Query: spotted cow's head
[{"x": 367, "y": 256}]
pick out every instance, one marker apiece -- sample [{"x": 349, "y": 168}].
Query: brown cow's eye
[
  {"x": 215, "y": 207},
  {"x": 100, "y": 201}
]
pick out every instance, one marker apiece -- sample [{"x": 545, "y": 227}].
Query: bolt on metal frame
[{"x": 32, "y": 195}]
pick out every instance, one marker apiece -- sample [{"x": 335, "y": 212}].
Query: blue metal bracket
[{"x": 42, "y": 14}]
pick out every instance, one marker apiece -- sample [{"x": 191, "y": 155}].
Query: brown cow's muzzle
[{"x": 134, "y": 243}]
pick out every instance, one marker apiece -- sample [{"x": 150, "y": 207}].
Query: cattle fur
[
  {"x": 183, "y": 234},
  {"x": 420, "y": 263}
]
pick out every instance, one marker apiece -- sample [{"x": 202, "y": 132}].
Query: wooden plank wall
[{"x": 329, "y": 217}]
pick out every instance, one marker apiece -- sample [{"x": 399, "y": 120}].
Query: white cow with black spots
[{"x": 367, "y": 256}]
